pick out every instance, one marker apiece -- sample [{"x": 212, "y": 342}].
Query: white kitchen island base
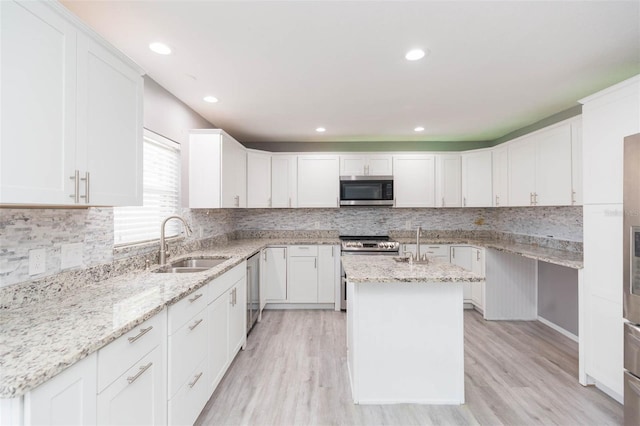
[{"x": 405, "y": 342}]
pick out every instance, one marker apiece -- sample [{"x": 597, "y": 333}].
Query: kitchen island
[{"x": 405, "y": 330}]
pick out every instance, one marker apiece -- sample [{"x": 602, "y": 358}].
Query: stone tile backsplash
[{"x": 24, "y": 229}]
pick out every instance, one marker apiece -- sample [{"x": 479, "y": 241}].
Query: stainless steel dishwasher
[{"x": 253, "y": 290}]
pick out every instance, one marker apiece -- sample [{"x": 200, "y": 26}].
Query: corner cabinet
[
  {"x": 318, "y": 181},
  {"x": 217, "y": 170},
  {"x": 71, "y": 112}
]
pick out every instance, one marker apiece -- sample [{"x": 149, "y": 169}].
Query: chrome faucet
[
  {"x": 163, "y": 245},
  {"x": 418, "y": 242}
]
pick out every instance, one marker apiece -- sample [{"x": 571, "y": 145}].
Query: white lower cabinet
[
  {"x": 311, "y": 274},
  {"x": 303, "y": 279},
  {"x": 67, "y": 399},
  {"x": 478, "y": 267},
  {"x": 137, "y": 397},
  {"x": 185, "y": 406},
  {"x": 274, "y": 267},
  {"x": 461, "y": 256},
  {"x": 440, "y": 251},
  {"x": 218, "y": 344},
  {"x": 327, "y": 273}
]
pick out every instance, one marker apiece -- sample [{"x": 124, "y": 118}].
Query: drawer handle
[
  {"x": 143, "y": 331},
  {"x": 197, "y": 323},
  {"x": 195, "y": 380},
  {"x": 144, "y": 368},
  {"x": 196, "y": 297}
]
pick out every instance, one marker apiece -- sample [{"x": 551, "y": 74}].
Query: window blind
[{"x": 161, "y": 194}]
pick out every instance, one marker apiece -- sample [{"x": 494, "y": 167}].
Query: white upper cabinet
[
  {"x": 366, "y": 165},
  {"x": 522, "y": 173},
  {"x": 414, "y": 180},
  {"x": 448, "y": 180},
  {"x": 217, "y": 170},
  {"x": 258, "y": 179},
  {"x": 540, "y": 168},
  {"x": 318, "y": 181},
  {"x": 72, "y": 112},
  {"x": 284, "y": 181},
  {"x": 500, "y": 176},
  {"x": 576, "y": 162},
  {"x": 477, "y": 179},
  {"x": 553, "y": 167}
]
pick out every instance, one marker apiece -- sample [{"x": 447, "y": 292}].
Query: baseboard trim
[
  {"x": 610, "y": 392},
  {"x": 559, "y": 329}
]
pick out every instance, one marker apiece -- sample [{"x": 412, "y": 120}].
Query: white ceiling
[{"x": 282, "y": 68}]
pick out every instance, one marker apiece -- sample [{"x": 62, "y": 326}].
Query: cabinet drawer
[
  {"x": 186, "y": 405},
  {"x": 182, "y": 311},
  {"x": 435, "y": 250},
  {"x": 303, "y": 251},
  {"x": 121, "y": 354},
  {"x": 225, "y": 281},
  {"x": 187, "y": 347}
]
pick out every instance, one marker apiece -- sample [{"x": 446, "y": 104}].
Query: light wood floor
[{"x": 294, "y": 372}]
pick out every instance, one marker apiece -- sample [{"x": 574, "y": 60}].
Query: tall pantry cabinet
[{"x": 607, "y": 117}]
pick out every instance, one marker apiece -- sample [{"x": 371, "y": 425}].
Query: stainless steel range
[{"x": 364, "y": 245}]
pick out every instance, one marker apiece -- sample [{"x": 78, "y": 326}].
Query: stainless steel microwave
[{"x": 366, "y": 190}]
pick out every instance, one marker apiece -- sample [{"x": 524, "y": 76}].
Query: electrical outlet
[
  {"x": 317, "y": 225},
  {"x": 71, "y": 255},
  {"x": 37, "y": 261},
  {"x": 408, "y": 224}
]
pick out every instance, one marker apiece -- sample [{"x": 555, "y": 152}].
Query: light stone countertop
[
  {"x": 40, "y": 340},
  {"x": 387, "y": 269},
  {"x": 557, "y": 257}
]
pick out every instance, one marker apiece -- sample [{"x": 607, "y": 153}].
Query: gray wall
[{"x": 558, "y": 295}]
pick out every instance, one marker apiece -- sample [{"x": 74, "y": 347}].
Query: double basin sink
[{"x": 190, "y": 265}]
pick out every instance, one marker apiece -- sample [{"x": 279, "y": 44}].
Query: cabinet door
[
  {"x": 237, "y": 316},
  {"x": 138, "y": 397},
  {"x": 284, "y": 181},
  {"x": 476, "y": 179},
  {"x": 461, "y": 256},
  {"x": 414, "y": 180},
  {"x": 109, "y": 127},
  {"x": 326, "y": 274},
  {"x": 352, "y": 165},
  {"x": 500, "y": 166},
  {"x": 318, "y": 181},
  {"x": 576, "y": 162},
  {"x": 522, "y": 172},
  {"x": 303, "y": 279},
  {"x": 218, "y": 341},
  {"x": 233, "y": 185},
  {"x": 67, "y": 399},
  {"x": 448, "y": 181},
  {"x": 275, "y": 274},
  {"x": 380, "y": 165},
  {"x": 258, "y": 179},
  {"x": 38, "y": 80},
  {"x": 553, "y": 167},
  {"x": 477, "y": 266}
]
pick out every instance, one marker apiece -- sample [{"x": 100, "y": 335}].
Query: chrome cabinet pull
[
  {"x": 76, "y": 186},
  {"x": 143, "y": 368},
  {"x": 195, "y": 324},
  {"x": 269, "y": 201},
  {"x": 535, "y": 198},
  {"x": 442, "y": 201},
  {"x": 264, "y": 255},
  {"x": 315, "y": 262},
  {"x": 531, "y": 198},
  {"x": 453, "y": 252},
  {"x": 86, "y": 188},
  {"x": 284, "y": 253},
  {"x": 464, "y": 201},
  {"x": 478, "y": 255},
  {"x": 195, "y": 380},
  {"x": 573, "y": 198},
  {"x": 337, "y": 201},
  {"x": 196, "y": 297},
  {"x": 497, "y": 198},
  {"x": 142, "y": 332}
]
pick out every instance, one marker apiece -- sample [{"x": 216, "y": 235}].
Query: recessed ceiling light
[
  {"x": 418, "y": 129},
  {"x": 320, "y": 129},
  {"x": 415, "y": 54},
  {"x": 160, "y": 48},
  {"x": 210, "y": 99}
]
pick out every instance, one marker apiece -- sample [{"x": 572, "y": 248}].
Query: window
[{"x": 161, "y": 194}]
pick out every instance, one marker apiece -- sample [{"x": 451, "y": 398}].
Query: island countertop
[{"x": 387, "y": 269}]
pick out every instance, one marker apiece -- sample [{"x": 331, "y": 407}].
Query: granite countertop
[
  {"x": 558, "y": 257},
  {"x": 387, "y": 269},
  {"x": 40, "y": 340}
]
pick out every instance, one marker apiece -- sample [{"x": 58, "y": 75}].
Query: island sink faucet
[
  {"x": 163, "y": 244},
  {"x": 418, "y": 242}
]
